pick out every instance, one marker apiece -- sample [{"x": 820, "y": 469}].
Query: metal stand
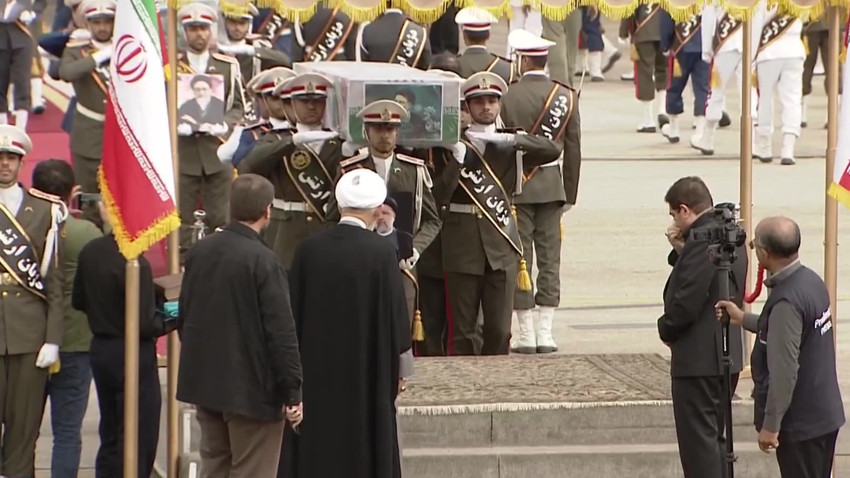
[{"x": 724, "y": 269}]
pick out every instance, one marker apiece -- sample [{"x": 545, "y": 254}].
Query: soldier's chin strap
[{"x": 58, "y": 213}]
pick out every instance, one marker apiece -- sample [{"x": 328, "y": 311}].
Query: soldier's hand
[
  {"x": 47, "y": 355},
  {"x": 499, "y": 139},
  {"x": 26, "y": 17},
  {"x": 459, "y": 151},
  {"x": 623, "y": 41},
  {"x": 305, "y": 137},
  {"x": 184, "y": 129}
]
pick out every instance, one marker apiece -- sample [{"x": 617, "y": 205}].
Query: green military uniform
[
  {"x": 650, "y": 78},
  {"x": 563, "y": 57},
  {"x": 203, "y": 177},
  {"x": 91, "y": 83},
  {"x": 476, "y": 59},
  {"x": 16, "y": 68}
]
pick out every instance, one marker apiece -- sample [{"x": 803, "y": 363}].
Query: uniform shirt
[
  {"x": 383, "y": 165},
  {"x": 198, "y": 61},
  {"x": 711, "y": 17},
  {"x": 12, "y": 197},
  {"x": 788, "y": 45}
]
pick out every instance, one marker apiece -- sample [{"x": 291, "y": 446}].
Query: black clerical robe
[{"x": 351, "y": 318}]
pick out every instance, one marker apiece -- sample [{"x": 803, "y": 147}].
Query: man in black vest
[
  {"x": 798, "y": 408},
  {"x": 690, "y": 329}
]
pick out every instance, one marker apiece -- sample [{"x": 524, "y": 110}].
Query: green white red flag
[
  {"x": 840, "y": 187},
  {"x": 136, "y": 175}
]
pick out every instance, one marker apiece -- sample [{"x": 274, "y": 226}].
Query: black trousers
[
  {"x": 432, "y": 306},
  {"x": 699, "y": 409},
  {"x": 107, "y": 366},
  {"x": 808, "y": 458},
  {"x": 444, "y": 35}
]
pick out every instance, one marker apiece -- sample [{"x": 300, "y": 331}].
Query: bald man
[{"x": 798, "y": 407}]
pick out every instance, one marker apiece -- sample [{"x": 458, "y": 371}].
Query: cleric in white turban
[{"x": 353, "y": 327}]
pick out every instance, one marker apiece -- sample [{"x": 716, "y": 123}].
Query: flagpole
[
  {"x": 173, "y": 352},
  {"x": 830, "y": 257},
  {"x": 746, "y": 167},
  {"x": 131, "y": 370}
]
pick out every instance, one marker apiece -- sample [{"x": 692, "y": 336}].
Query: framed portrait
[{"x": 201, "y": 100}]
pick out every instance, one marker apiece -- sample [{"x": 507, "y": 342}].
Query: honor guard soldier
[
  {"x": 302, "y": 169},
  {"x": 650, "y": 71},
  {"x": 591, "y": 40},
  {"x": 480, "y": 240},
  {"x": 816, "y": 40},
  {"x": 394, "y": 38},
  {"x": 275, "y": 29},
  {"x": 31, "y": 281},
  {"x": 273, "y": 114},
  {"x": 85, "y": 64},
  {"x": 235, "y": 38},
  {"x": 476, "y": 23},
  {"x": 329, "y": 35},
  {"x": 202, "y": 176},
  {"x": 682, "y": 44},
  {"x": 778, "y": 62},
  {"x": 540, "y": 106},
  {"x": 382, "y": 121},
  {"x": 15, "y": 69}
]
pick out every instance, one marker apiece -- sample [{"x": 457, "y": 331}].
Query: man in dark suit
[
  {"x": 690, "y": 328},
  {"x": 394, "y": 38}
]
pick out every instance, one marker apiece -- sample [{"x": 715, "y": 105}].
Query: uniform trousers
[
  {"x": 85, "y": 172},
  {"x": 213, "y": 191},
  {"x": 443, "y": 34},
  {"x": 233, "y": 446},
  {"x": 531, "y": 21},
  {"x": 490, "y": 292},
  {"x": 540, "y": 232},
  {"x": 563, "y": 56},
  {"x": 699, "y": 409},
  {"x": 785, "y": 76},
  {"x": 726, "y": 66},
  {"x": 650, "y": 71},
  {"x": 15, "y": 71},
  {"x": 818, "y": 43},
  {"x": 432, "y": 306},
  {"x": 22, "y": 403},
  {"x": 107, "y": 366},
  {"x": 808, "y": 458},
  {"x": 692, "y": 68}
]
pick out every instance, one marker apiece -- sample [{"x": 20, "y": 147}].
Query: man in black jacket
[
  {"x": 239, "y": 362},
  {"x": 690, "y": 328}
]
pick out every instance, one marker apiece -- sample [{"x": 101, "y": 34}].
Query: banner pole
[
  {"x": 746, "y": 166},
  {"x": 173, "y": 350},
  {"x": 131, "y": 370},
  {"x": 830, "y": 257}
]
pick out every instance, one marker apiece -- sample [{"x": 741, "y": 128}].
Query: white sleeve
[
  {"x": 228, "y": 148},
  {"x": 709, "y": 26}
]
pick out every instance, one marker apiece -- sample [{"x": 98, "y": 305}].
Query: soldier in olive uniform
[
  {"x": 476, "y": 23},
  {"x": 202, "y": 176},
  {"x": 816, "y": 39},
  {"x": 542, "y": 107},
  {"x": 329, "y": 35},
  {"x": 85, "y": 64},
  {"x": 302, "y": 167},
  {"x": 404, "y": 174},
  {"x": 17, "y": 50},
  {"x": 650, "y": 76},
  {"x": 394, "y": 38},
  {"x": 31, "y": 321},
  {"x": 481, "y": 242}
]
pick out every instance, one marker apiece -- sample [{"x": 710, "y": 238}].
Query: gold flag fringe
[
  {"x": 837, "y": 192},
  {"x": 422, "y": 15},
  {"x": 273, "y": 4},
  {"x": 302, "y": 15},
  {"x": 234, "y": 9},
  {"x": 132, "y": 248},
  {"x": 359, "y": 14}
]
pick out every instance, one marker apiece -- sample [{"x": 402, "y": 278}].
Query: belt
[
  {"x": 464, "y": 208},
  {"x": 290, "y": 206},
  {"x": 90, "y": 114}
]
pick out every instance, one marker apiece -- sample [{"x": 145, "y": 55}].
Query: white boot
[
  {"x": 543, "y": 327},
  {"x": 514, "y": 330},
  {"x": 804, "y": 112},
  {"x": 21, "y": 117},
  {"x": 762, "y": 149},
  {"x": 647, "y": 124},
  {"x": 594, "y": 65},
  {"x": 705, "y": 141},
  {"x": 4, "y": 118},
  {"x": 661, "y": 108},
  {"x": 37, "y": 88},
  {"x": 526, "y": 343},
  {"x": 788, "y": 142},
  {"x": 671, "y": 129}
]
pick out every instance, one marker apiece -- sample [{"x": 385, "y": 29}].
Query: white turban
[{"x": 360, "y": 189}]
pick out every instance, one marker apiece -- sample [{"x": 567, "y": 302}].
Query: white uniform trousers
[
  {"x": 532, "y": 22},
  {"x": 785, "y": 76},
  {"x": 726, "y": 65}
]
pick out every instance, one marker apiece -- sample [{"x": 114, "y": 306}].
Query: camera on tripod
[{"x": 725, "y": 237}]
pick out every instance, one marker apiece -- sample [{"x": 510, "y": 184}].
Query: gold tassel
[
  {"x": 418, "y": 329},
  {"x": 677, "y": 69},
  {"x": 523, "y": 279},
  {"x": 715, "y": 79},
  {"x": 633, "y": 53},
  {"x": 806, "y": 44},
  {"x": 562, "y": 230},
  {"x": 55, "y": 368},
  {"x": 755, "y": 79}
]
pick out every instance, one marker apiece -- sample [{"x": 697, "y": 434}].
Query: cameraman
[
  {"x": 798, "y": 407},
  {"x": 690, "y": 328}
]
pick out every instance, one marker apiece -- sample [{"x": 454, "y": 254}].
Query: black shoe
[
  {"x": 788, "y": 162},
  {"x": 803, "y": 124},
  {"x": 647, "y": 129},
  {"x": 763, "y": 160},
  {"x": 37, "y": 110},
  {"x": 596, "y": 79},
  {"x": 662, "y": 120},
  {"x": 725, "y": 120},
  {"x": 611, "y": 60}
]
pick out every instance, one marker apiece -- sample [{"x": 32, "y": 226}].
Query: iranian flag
[
  {"x": 136, "y": 175},
  {"x": 840, "y": 187}
]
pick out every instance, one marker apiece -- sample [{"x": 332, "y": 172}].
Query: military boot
[
  {"x": 788, "y": 142},
  {"x": 526, "y": 342},
  {"x": 543, "y": 328},
  {"x": 762, "y": 149},
  {"x": 671, "y": 129},
  {"x": 705, "y": 142}
]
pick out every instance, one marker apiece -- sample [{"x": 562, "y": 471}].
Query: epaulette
[
  {"x": 224, "y": 57},
  {"x": 43, "y": 195},
  {"x": 353, "y": 160},
  {"x": 77, "y": 43},
  {"x": 410, "y": 159}
]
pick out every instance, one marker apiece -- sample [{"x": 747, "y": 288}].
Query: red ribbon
[{"x": 751, "y": 297}]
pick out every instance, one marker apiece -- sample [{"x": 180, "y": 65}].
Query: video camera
[{"x": 725, "y": 237}]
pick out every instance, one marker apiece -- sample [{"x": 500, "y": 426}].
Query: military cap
[
  {"x": 483, "y": 83},
  {"x": 383, "y": 112},
  {"x": 283, "y": 90},
  {"x": 97, "y": 8},
  {"x": 360, "y": 188},
  {"x": 528, "y": 44},
  {"x": 197, "y": 13},
  {"x": 266, "y": 81},
  {"x": 474, "y": 19},
  {"x": 238, "y": 9},
  {"x": 309, "y": 85},
  {"x": 14, "y": 140}
]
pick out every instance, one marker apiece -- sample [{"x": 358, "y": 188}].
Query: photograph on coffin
[{"x": 424, "y": 103}]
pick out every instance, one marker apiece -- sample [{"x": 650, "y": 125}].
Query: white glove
[
  {"x": 216, "y": 129},
  {"x": 499, "y": 139},
  {"x": 101, "y": 56},
  {"x": 245, "y": 49},
  {"x": 409, "y": 264},
  {"x": 47, "y": 356},
  {"x": 80, "y": 34},
  {"x": 707, "y": 56},
  {"x": 305, "y": 137},
  {"x": 459, "y": 151},
  {"x": 26, "y": 17},
  {"x": 666, "y": 53},
  {"x": 183, "y": 129},
  {"x": 349, "y": 148},
  {"x": 623, "y": 41}
]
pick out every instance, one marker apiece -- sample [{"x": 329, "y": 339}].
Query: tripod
[{"x": 724, "y": 268}]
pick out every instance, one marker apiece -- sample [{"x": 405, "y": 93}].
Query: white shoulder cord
[{"x": 58, "y": 213}]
